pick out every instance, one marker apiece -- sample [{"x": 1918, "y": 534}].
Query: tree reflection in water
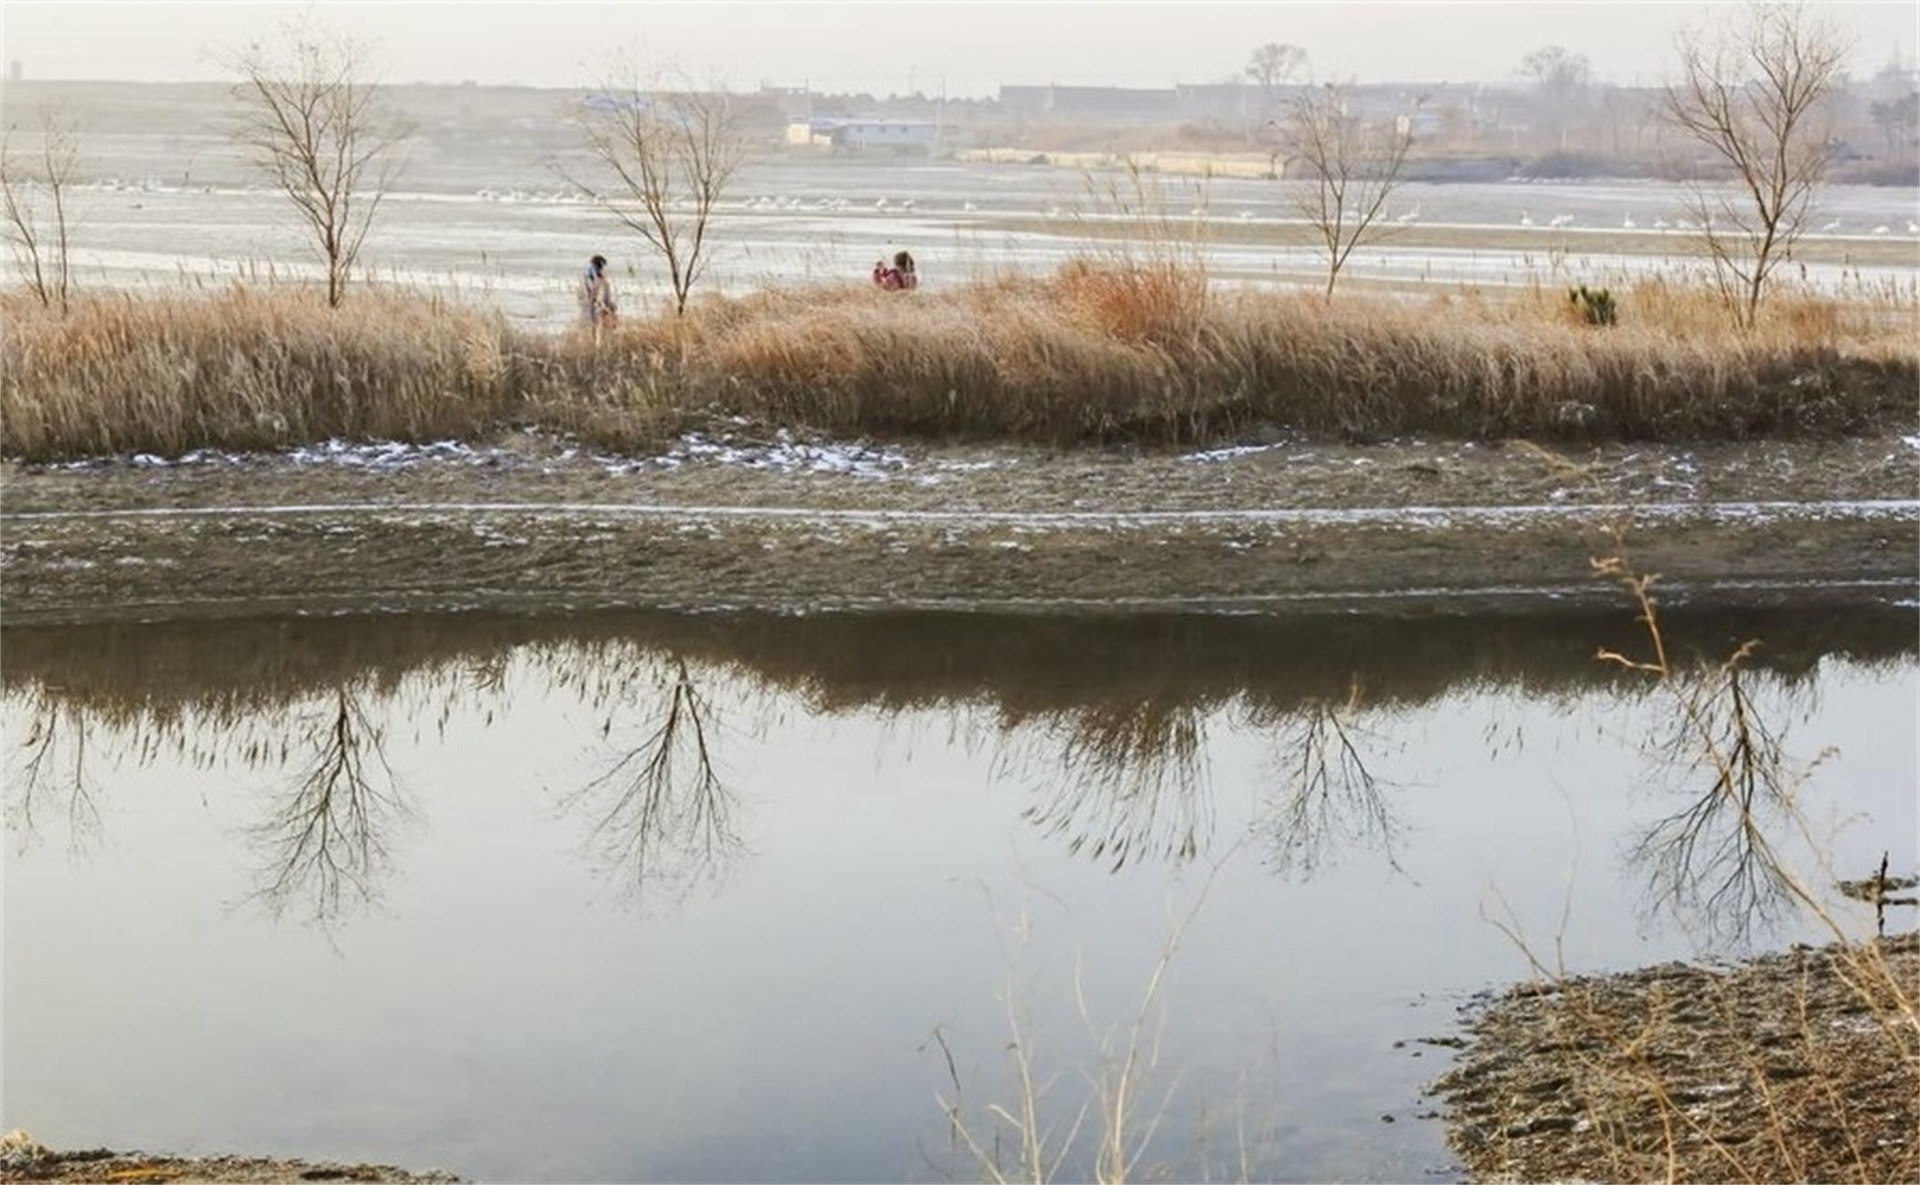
[
  {"x": 1715, "y": 861},
  {"x": 1131, "y": 782},
  {"x": 50, "y": 781},
  {"x": 325, "y": 843},
  {"x": 1110, "y": 722},
  {"x": 662, "y": 817},
  {"x": 1332, "y": 798}
]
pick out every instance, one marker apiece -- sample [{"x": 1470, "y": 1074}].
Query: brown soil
[
  {"x": 134, "y": 1168},
  {"x": 528, "y": 525},
  {"x": 1803, "y": 1065}
]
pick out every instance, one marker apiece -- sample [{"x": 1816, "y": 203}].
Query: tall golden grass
[{"x": 1101, "y": 350}]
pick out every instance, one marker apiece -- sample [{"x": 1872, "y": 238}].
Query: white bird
[
  {"x": 1053, "y": 211},
  {"x": 881, "y": 204},
  {"x": 1199, "y": 211},
  {"x": 1913, "y": 228},
  {"x": 1561, "y": 220},
  {"x": 1659, "y": 224},
  {"x": 1525, "y": 219},
  {"x": 970, "y": 206},
  {"x": 1407, "y": 218},
  {"x": 907, "y": 205},
  {"x": 1834, "y": 225},
  {"x": 1881, "y": 229},
  {"x": 1246, "y": 215},
  {"x": 1626, "y": 223}
]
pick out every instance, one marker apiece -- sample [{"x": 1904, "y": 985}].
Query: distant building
[
  {"x": 1219, "y": 100},
  {"x": 1089, "y": 101},
  {"x": 863, "y": 135},
  {"x": 793, "y": 102}
]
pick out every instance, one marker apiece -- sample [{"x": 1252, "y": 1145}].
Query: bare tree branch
[
  {"x": 316, "y": 125},
  {"x": 1351, "y": 169},
  {"x": 1752, "y": 91},
  {"x": 35, "y": 203},
  {"x": 662, "y": 161}
]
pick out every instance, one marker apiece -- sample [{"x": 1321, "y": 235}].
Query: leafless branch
[
  {"x": 316, "y": 124},
  {"x": 1752, "y": 92},
  {"x": 659, "y": 162},
  {"x": 1351, "y": 169},
  {"x": 36, "y": 201}
]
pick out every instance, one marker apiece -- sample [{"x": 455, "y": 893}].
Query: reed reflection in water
[
  {"x": 1105, "y": 722},
  {"x": 467, "y": 807}
]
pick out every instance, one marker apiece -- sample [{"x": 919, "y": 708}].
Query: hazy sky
[{"x": 898, "y": 46}]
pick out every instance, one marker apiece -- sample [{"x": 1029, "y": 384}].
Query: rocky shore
[{"x": 1798, "y": 1066}]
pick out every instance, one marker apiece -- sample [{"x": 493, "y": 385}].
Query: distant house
[
  {"x": 1089, "y": 101},
  {"x": 1220, "y": 100},
  {"x": 862, "y": 135}
]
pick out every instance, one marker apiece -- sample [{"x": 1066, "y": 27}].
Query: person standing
[{"x": 596, "y": 295}]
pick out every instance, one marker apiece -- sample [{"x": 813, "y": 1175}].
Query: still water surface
[{"x": 463, "y": 892}]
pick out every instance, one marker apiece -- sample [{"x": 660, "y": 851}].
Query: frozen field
[{"x": 813, "y": 222}]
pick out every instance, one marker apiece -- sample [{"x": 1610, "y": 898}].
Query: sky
[{"x": 899, "y": 47}]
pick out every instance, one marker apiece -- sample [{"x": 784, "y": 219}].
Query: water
[
  {"x": 485, "y": 947},
  {"x": 518, "y": 249}
]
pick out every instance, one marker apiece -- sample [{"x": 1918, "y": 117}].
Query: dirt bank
[
  {"x": 23, "y": 1160},
  {"x": 770, "y": 522},
  {"x": 1803, "y": 1065}
]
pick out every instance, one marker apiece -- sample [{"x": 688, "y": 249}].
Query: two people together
[{"x": 597, "y": 310}]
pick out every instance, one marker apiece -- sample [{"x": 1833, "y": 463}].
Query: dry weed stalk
[{"x": 1126, "y": 1060}]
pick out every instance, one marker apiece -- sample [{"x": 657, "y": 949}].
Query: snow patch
[
  {"x": 783, "y": 454},
  {"x": 1214, "y": 456}
]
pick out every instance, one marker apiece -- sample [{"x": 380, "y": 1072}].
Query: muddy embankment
[
  {"x": 21, "y": 1159},
  {"x": 772, "y": 524},
  {"x": 1798, "y": 1066}
]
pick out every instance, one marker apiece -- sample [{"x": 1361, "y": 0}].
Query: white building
[{"x": 863, "y": 135}]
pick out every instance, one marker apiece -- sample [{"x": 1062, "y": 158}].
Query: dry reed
[{"x": 1102, "y": 350}]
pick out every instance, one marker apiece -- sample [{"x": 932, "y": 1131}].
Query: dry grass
[
  {"x": 1797, "y": 1066},
  {"x": 1103, "y": 350}
]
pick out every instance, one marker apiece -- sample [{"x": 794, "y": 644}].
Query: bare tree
[
  {"x": 1351, "y": 169},
  {"x": 35, "y": 200},
  {"x": 1752, "y": 92},
  {"x": 1561, "y": 77},
  {"x": 1275, "y": 64},
  {"x": 317, "y": 126},
  {"x": 664, "y": 159}
]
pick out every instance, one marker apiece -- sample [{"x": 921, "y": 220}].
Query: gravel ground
[
  {"x": 764, "y": 521},
  {"x": 23, "y": 1160},
  {"x": 1797, "y": 1066}
]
